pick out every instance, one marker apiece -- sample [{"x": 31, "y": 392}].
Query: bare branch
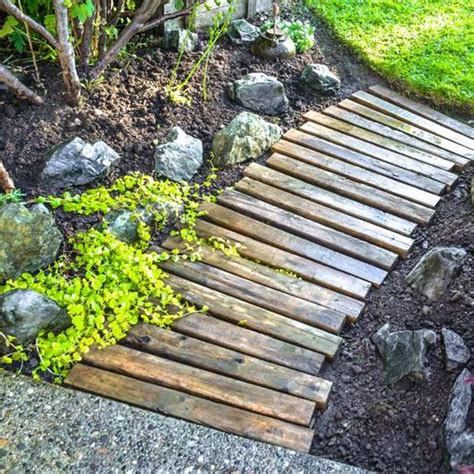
[
  {"x": 9, "y": 7},
  {"x": 169, "y": 16},
  {"x": 17, "y": 87},
  {"x": 6, "y": 183}
]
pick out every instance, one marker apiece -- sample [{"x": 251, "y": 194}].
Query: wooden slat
[
  {"x": 213, "y": 358},
  {"x": 386, "y": 148},
  {"x": 329, "y": 199},
  {"x": 304, "y": 147},
  {"x": 366, "y": 194},
  {"x": 433, "y": 141},
  {"x": 195, "y": 409},
  {"x": 213, "y": 330},
  {"x": 439, "y": 157},
  {"x": 292, "y": 243},
  {"x": 423, "y": 110},
  {"x": 260, "y": 295},
  {"x": 272, "y": 278},
  {"x": 277, "y": 258},
  {"x": 258, "y": 319},
  {"x": 308, "y": 229},
  {"x": 202, "y": 383},
  {"x": 350, "y": 225},
  {"x": 433, "y": 131}
]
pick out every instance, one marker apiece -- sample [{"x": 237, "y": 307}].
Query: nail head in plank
[
  {"x": 423, "y": 110},
  {"x": 191, "y": 408},
  {"x": 353, "y": 165},
  {"x": 202, "y": 383},
  {"x": 432, "y": 141},
  {"x": 292, "y": 243},
  {"x": 213, "y": 358},
  {"x": 308, "y": 229},
  {"x": 213, "y": 330},
  {"x": 272, "y": 278},
  {"x": 330, "y": 199},
  {"x": 353, "y": 189},
  {"x": 277, "y": 258},
  {"x": 351, "y": 225},
  {"x": 385, "y": 148},
  {"x": 459, "y": 144},
  {"x": 436, "y": 156}
]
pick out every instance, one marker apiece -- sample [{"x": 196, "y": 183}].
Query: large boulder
[
  {"x": 178, "y": 39},
  {"x": 24, "y": 313},
  {"x": 179, "y": 156},
  {"x": 246, "y": 137},
  {"x": 433, "y": 273},
  {"x": 260, "y": 93},
  {"x": 403, "y": 352},
  {"x": 76, "y": 162},
  {"x": 318, "y": 79},
  {"x": 457, "y": 353},
  {"x": 458, "y": 439},
  {"x": 29, "y": 239},
  {"x": 242, "y": 32}
]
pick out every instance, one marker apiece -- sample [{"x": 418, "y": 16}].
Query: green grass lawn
[{"x": 427, "y": 45}]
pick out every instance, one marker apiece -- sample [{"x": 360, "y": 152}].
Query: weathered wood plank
[
  {"x": 351, "y": 225},
  {"x": 304, "y": 147},
  {"x": 439, "y": 157},
  {"x": 386, "y": 148},
  {"x": 277, "y": 258},
  {"x": 410, "y": 125},
  {"x": 195, "y": 409},
  {"x": 308, "y": 229},
  {"x": 329, "y": 199},
  {"x": 211, "y": 357},
  {"x": 423, "y": 110},
  {"x": 213, "y": 330},
  {"x": 260, "y": 295},
  {"x": 367, "y": 194},
  {"x": 292, "y": 243},
  {"x": 258, "y": 319},
  {"x": 272, "y": 278},
  {"x": 202, "y": 383}
]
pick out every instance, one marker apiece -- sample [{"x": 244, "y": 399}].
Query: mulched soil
[{"x": 391, "y": 429}]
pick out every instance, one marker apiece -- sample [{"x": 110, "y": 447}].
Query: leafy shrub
[{"x": 301, "y": 32}]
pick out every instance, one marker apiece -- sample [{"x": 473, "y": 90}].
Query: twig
[
  {"x": 30, "y": 44},
  {"x": 17, "y": 87}
]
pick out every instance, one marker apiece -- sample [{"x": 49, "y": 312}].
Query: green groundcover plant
[
  {"x": 301, "y": 32},
  {"x": 426, "y": 45}
]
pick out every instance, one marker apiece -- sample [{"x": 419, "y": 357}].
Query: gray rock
[
  {"x": 179, "y": 157},
  {"x": 403, "y": 352},
  {"x": 77, "y": 162},
  {"x": 317, "y": 78},
  {"x": 246, "y": 137},
  {"x": 24, "y": 313},
  {"x": 260, "y": 93},
  {"x": 177, "y": 39},
  {"x": 433, "y": 273},
  {"x": 457, "y": 353},
  {"x": 29, "y": 239},
  {"x": 242, "y": 32},
  {"x": 462, "y": 450}
]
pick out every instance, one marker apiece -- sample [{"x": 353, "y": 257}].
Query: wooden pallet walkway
[{"x": 335, "y": 205}]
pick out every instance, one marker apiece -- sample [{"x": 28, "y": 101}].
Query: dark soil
[{"x": 391, "y": 429}]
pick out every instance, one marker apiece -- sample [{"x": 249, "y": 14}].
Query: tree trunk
[
  {"x": 66, "y": 54},
  {"x": 18, "y": 88},
  {"x": 6, "y": 183}
]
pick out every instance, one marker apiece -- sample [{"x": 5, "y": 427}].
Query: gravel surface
[{"x": 46, "y": 429}]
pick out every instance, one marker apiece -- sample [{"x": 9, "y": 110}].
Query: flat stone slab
[{"x": 47, "y": 428}]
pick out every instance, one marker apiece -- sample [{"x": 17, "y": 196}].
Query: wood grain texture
[
  {"x": 272, "y": 278},
  {"x": 214, "y": 358},
  {"x": 325, "y": 215},
  {"x": 353, "y": 189},
  {"x": 330, "y": 199},
  {"x": 308, "y": 229},
  {"x": 191, "y": 408},
  {"x": 438, "y": 157},
  {"x": 304, "y": 147},
  {"x": 292, "y": 243}
]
